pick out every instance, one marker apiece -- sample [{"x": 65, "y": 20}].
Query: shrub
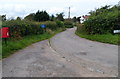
[
  {"x": 51, "y": 25},
  {"x": 68, "y": 24},
  {"x": 80, "y": 28},
  {"x": 60, "y": 24},
  {"x": 103, "y": 21},
  {"x": 21, "y": 28}
]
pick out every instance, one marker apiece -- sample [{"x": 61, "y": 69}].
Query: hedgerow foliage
[
  {"x": 68, "y": 23},
  {"x": 103, "y": 20},
  {"x": 21, "y": 28}
]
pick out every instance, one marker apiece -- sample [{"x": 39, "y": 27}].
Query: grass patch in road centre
[
  {"x": 13, "y": 46},
  {"x": 104, "y": 38}
]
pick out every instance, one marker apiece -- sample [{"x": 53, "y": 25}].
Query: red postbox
[{"x": 4, "y": 32}]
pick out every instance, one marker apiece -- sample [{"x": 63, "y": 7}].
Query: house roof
[{"x": 86, "y": 17}]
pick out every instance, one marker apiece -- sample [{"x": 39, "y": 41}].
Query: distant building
[{"x": 83, "y": 18}]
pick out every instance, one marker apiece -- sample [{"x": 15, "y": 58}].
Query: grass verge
[
  {"x": 104, "y": 38},
  {"x": 13, "y": 46}
]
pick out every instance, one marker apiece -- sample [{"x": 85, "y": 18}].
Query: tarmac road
[{"x": 64, "y": 55}]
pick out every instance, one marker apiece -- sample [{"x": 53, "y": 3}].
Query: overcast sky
[{"x": 21, "y": 8}]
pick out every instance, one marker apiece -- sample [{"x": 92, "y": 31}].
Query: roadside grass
[
  {"x": 13, "y": 46},
  {"x": 104, "y": 38}
]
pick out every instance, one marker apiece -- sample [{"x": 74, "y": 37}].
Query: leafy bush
[
  {"x": 51, "y": 25},
  {"x": 60, "y": 24},
  {"x": 80, "y": 28},
  {"x": 68, "y": 24},
  {"x": 21, "y": 28},
  {"x": 103, "y": 20}
]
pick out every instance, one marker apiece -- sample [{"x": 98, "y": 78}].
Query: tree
[
  {"x": 18, "y": 18},
  {"x": 3, "y": 17},
  {"x": 41, "y": 16},
  {"x": 103, "y": 20},
  {"x": 60, "y": 16},
  {"x": 52, "y": 18},
  {"x": 46, "y": 16},
  {"x": 30, "y": 17},
  {"x": 37, "y": 16},
  {"x": 78, "y": 19},
  {"x": 74, "y": 19},
  {"x": 100, "y": 10}
]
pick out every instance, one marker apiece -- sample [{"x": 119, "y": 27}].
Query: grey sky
[{"x": 14, "y": 8}]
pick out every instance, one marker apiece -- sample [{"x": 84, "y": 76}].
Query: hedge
[
  {"x": 103, "y": 21},
  {"x": 21, "y": 28},
  {"x": 68, "y": 24}
]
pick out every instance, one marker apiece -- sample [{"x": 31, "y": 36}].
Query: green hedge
[
  {"x": 103, "y": 21},
  {"x": 68, "y": 24},
  {"x": 21, "y": 28}
]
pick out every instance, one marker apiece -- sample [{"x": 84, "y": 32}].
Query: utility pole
[{"x": 69, "y": 13}]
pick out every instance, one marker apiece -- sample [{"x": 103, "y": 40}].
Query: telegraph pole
[{"x": 69, "y": 13}]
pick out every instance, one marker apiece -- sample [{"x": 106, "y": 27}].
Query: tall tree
[
  {"x": 60, "y": 16},
  {"x": 78, "y": 19},
  {"x": 41, "y": 16},
  {"x": 52, "y": 18},
  {"x": 3, "y": 17},
  {"x": 74, "y": 19},
  {"x": 30, "y": 17},
  {"x": 18, "y": 18}
]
